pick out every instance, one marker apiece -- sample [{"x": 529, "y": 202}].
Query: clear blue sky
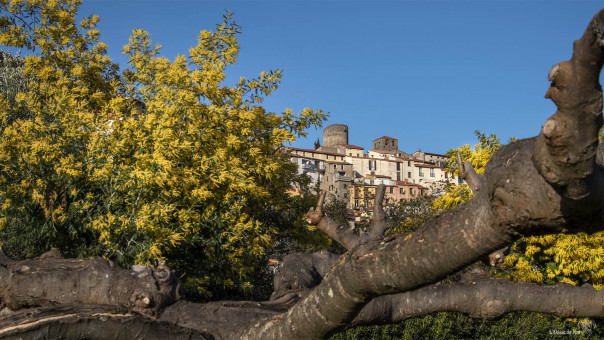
[{"x": 426, "y": 72}]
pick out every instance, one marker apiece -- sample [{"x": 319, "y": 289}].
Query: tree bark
[
  {"x": 93, "y": 322},
  {"x": 53, "y": 280}
]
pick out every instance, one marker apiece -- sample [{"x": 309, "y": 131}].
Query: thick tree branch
[
  {"x": 565, "y": 152},
  {"x": 93, "y": 322},
  {"x": 475, "y": 296},
  {"x": 479, "y": 298},
  {"x": 484, "y": 298},
  {"x": 53, "y": 280},
  {"x": 374, "y": 268},
  {"x": 378, "y": 220},
  {"x": 338, "y": 232}
]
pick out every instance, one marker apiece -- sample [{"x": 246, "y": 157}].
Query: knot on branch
[
  {"x": 315, "y": 215},
  {"x": 162, "y": 274},
  {"x": 141, "y": 300},
  {"x": 491, "y": 309},
  {"x": 559, "y": 76}
]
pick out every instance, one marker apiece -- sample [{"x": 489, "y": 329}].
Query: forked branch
[{"x": 338, "y": 232}]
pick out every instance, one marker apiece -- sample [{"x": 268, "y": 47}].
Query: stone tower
[
  {"x": 335, "y": 134},
  {"x": 385, "y": 143}
]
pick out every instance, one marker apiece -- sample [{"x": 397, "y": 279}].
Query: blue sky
[{"x": 428, "y": 73}]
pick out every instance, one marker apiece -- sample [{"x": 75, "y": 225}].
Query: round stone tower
[{"x": 335, "y": 134}]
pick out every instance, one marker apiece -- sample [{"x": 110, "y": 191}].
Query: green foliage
[
  {"x": 12, "y": 81},
  {"x": 160, "y": 161},
  {"x": 409, "y": 215},
  {"x": 337, "y": 210},
  {"x": 518, "y": 325},
  {"x": 317, "y": 144}
]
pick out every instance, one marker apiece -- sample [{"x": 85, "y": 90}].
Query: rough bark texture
[
  {"x": 548, "y": 184},
  {"x": 90, "y": 322},
  {"x": 94, "y": 281}
]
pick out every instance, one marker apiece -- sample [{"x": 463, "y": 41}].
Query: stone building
[
  {"x": 329, "y": 170},
  {"x": 385, "y": 143}
]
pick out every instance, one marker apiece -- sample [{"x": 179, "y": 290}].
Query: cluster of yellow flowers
[{"x": 151, "y": 159}]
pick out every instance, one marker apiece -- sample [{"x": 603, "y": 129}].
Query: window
[
  {"x": 421, "y": 172},
  {"x": 356, "y": 203},
  {"x": 401, "y": 191},
  {"x": 398, "y": 166},
  {"x": 371, "y": 165},
  {"x": 408, "y": 163},
  {"x": 411, "y": 191},
  {"x": 432, "y": 172},
  {"x": 391, "y": 190},
  {"x": 409, "y": 174},
  {"x": 398, "y": 176},
  {"x": 341, "y": 166}
]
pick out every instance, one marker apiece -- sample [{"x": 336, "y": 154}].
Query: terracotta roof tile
[{"x": 350, "y": 146}]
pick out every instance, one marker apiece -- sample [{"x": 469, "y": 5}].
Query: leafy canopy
[{"x": 159, "y": 161}]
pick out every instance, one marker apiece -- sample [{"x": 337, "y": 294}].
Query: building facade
[{"x": 346, "y": 172}]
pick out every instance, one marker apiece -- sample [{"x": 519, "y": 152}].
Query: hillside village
[{"x": 347, "y": 173}]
